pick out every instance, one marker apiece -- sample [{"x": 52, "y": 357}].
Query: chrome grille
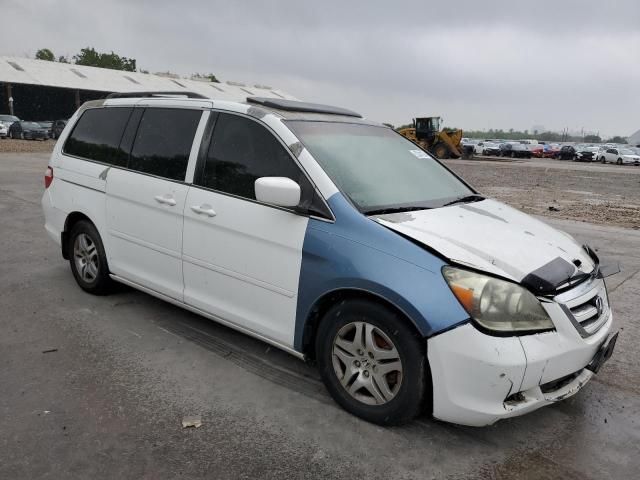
[{"x": 587, "y": 305}]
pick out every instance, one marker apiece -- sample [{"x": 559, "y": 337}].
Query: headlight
[{"x": 496, "y": 304}]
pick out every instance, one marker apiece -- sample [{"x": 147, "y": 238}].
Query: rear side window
[
  {"x": 242, "y": 151},
  {"x": 163, "y": 142},
  {"x": 96, "y": 136}
]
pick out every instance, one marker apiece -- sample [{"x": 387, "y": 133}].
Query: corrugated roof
[{"x": 66, "y": 75}]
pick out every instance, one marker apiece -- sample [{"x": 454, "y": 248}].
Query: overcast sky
[{"x": 478, "y": 64}]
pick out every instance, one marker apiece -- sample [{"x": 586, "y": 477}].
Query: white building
[
  {"x": 634, "y": 139},
  {"x": 50, "y": 90}
]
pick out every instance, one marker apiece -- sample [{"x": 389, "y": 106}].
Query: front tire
[
  {"x": 373, "y": 364},
  {"x": 619, "y": 162},
  {"x": 88, "y": 259},
  {"x": 441, "y": 151}
]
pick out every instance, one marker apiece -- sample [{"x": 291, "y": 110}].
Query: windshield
[{"x": 377, "y": 168}]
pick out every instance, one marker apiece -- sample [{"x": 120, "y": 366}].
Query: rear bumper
[
  {"x": 479, "y": 379},
  {"x": 54, "y": 218}
]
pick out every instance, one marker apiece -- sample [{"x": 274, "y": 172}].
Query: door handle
[
  {"x": 204, "y": 209},
  {"x": 166, "y": 199}
]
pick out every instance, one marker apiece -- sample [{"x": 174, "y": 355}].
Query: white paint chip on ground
[{"x": 192, "y": 421}]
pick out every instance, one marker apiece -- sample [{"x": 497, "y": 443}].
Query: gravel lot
[
  {"x": 96, "y": 387},
  {"x": 8, "y": 145},
  {"x": 595, "y": 193}
]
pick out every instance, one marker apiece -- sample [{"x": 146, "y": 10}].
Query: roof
[
  {"x": 634, "y": 138},
  {"x": 66, "y": 75}
]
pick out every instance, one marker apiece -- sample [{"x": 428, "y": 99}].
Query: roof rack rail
[
  {"x": 295, "y": 106},
  {"x": 155, "y": 94}
]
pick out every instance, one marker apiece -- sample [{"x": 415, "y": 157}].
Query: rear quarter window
[{"x": 97, "y": 135}]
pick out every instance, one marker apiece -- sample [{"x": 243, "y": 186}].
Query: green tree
[
  {"x": 592, "y": 139},
  {"x": 45, "y": 54},
  {"x": 209, "y": 76},
  {"x": 617, "y": 139},
  {"x": 63, "y": 59},
  {"x": 90, "y": 57}
]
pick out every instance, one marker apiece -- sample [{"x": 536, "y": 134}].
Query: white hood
[{"x": 490, "y": 236}]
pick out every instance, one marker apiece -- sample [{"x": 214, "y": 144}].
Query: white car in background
[
  {"x": 486, "y": 148},
  {"x": 5, "y": 123},
  {"x": 618, "y": 155}
]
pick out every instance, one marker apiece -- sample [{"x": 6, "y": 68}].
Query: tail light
[{"x": 48, "y": 177}]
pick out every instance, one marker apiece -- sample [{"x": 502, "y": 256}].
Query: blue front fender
[{"x": 357, "y": 253}]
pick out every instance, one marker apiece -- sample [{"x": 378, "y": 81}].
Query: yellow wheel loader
[{"x": 441, "y": 143}]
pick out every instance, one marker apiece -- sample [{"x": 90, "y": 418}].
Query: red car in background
[{"x": 536, "y": 150}]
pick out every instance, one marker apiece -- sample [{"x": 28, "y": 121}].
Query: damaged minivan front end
[{"x": 540, "y": 316}]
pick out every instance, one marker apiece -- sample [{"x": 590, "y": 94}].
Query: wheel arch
[
  {"x": 325, "y": 302},
  {"x": 73, "y": 218}
]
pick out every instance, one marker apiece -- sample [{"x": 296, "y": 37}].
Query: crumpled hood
[{"x": 493, "y": 237}]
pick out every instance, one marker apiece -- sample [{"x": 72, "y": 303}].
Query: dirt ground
[
  {"x": 594, "y": 193},
  {"x": 25, "y": 146}
]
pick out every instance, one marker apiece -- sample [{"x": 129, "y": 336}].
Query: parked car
[
  {"x": 619, "y": 156},
  {"x": 5, "y": 123},
  {"x": 58, "y": 126},
  {"x": 28, "y": 131},
  {"x": 323, "y": 236},
  {"x": 514, "y": 150},
  {"x": 536, "y": 149},
  {"x": 467, "y": 147},
  {"x": 567, "y": 152},
  {"x": 551, "y": 150},
  {"x": 487, "y": 148},
  {"x": 47, "y": 124},
  {"x": 586, "y": 153}
]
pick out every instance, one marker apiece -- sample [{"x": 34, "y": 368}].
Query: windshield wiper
[
  {"x": 384, "y": 211},
  {"x": 466, "y": 199}
]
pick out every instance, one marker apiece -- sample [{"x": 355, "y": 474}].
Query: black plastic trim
[
  {"x": 169, "y": 94},
  {"x": 295, "y": 106}
]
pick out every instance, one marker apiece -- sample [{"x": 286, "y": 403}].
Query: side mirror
[{"x": 281, "y": 191}]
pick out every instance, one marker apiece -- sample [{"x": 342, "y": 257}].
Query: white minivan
[{"x": 336, "y": 239}]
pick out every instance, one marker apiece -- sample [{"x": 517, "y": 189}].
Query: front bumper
[{"x": 479, "y": 379}]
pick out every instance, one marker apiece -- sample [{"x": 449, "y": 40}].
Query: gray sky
[{"x": 478, "y": 64}]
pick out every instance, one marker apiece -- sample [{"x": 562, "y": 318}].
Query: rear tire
[
  {"x": 354, "y": 370},
  {"x": 619, "y": 162},
  {"x": 88, "y": 259}
]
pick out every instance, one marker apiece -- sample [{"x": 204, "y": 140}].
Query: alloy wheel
[
  {"x": 367, "y": 363},
  {"x": 85, "y": 255}
]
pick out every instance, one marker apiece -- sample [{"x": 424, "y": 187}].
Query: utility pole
[{"x": 9, "y": 99}]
